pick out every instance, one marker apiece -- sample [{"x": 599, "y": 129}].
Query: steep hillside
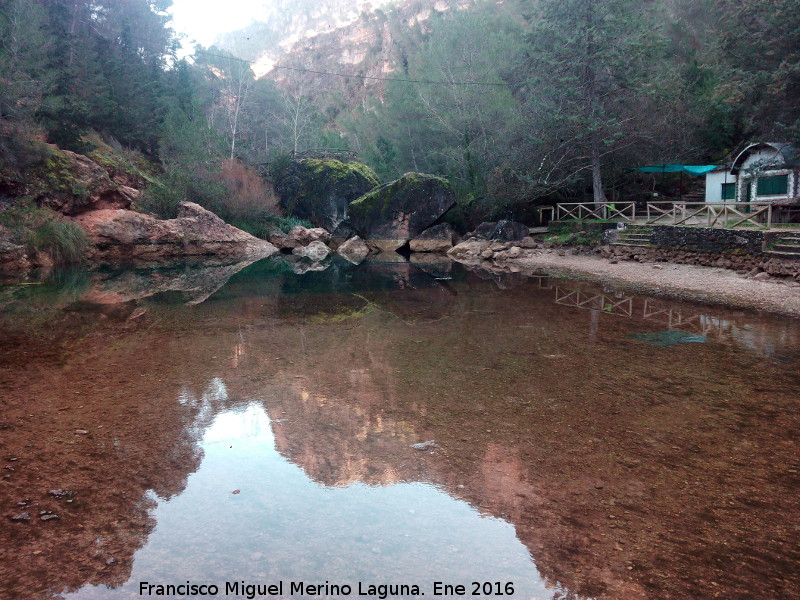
[
  {"x": 286, "y": 23},
  {"x": 371, "y": 42}
]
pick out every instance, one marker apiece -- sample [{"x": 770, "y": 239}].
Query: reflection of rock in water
[
  {"x": 343, "y": 291},
  {"x": 438, "y": 266},
  {"x": 587, "y": 467},
  {"x": 195, "y": 282},
  {"x": 505, "y": 280}
]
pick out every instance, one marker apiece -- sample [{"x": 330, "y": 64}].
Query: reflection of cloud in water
[
  {"x": 250, "y": 514},
  {"x": 249, "y": 422}
]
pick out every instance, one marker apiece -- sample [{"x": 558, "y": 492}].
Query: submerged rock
[
  {"x": 320, "y": 190},
  {"x": 670, "y": 337},
  {"x": 391, "y": 215},
  {"x": 422, "y": 446}
]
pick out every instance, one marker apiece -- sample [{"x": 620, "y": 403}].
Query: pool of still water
[{"x": 392, "y": 424}]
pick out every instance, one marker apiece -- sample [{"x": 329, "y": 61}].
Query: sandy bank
[{"x": 704, "y": 284}]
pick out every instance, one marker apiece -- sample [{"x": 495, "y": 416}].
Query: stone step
[
  {"x": 634, "y": 244},
  {"x": 787, "y": 247},
  {"x": 788, "y": 240},
  {"x": 786, "y": 254}
]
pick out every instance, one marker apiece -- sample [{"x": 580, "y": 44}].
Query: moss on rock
[
  {"x": 402, "y": 209},
  {"x": 320, "y": 189}
]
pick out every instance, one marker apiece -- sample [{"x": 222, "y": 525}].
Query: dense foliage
[{"x": 530, "y": 101}]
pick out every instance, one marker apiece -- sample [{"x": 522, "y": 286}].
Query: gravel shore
[{"x": 704, "y": 284}]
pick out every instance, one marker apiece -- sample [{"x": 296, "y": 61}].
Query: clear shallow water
[
  {"x": 280, "y": 525},
  {"x": 586, "y": 443}
]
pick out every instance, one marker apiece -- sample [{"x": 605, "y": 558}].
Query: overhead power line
[{"x": 347, "y": 76}]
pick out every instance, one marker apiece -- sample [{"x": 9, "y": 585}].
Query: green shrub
[
  {"x": 285, "y": 224},
  {"x": 161, "y": 200},
  {"x": 64, "y": 242}
]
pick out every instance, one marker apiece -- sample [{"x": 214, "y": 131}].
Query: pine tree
[{"x": 590, "y": 70}]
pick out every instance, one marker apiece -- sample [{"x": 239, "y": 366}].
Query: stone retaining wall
[
  {"x": 779, "y": 267},
  {"x": 708, "y": 239}
]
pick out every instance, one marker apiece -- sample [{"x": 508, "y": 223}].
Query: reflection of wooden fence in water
[
  {"x": 597, "y": 301},
  {"x": 661, "y": 312},
  {"x": 678, "y": 318},
  {"x": 761, "y": 338}
]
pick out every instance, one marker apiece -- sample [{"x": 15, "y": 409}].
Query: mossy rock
[
  {"x": 66, "y": 182},
  {"x": 402, "y": 209},
  {"x": 320, "y": 190}
]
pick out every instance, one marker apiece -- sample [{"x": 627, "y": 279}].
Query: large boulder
[
  {"x": 117, "y": 235},
  {"x": 502, "y": 231},
  {"x": 320, "y": 190},
  {"x": 438, "y": 238},
  {"x": 392, "y": 214}
]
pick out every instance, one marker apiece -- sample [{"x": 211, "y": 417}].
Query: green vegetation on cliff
[{"x": 532, "y": 103}]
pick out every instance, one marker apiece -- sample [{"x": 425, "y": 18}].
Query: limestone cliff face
[{"x": 372, "y": 39}]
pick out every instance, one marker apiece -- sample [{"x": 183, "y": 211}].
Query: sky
[{"x": 203, "y": 20}]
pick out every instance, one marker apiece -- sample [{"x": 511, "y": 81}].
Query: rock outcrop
[
  {"x": 117, "y": 235},
  {"x": 13, "y": 256},
  {"x": 320, "y": 190},
  {"x": 71, "y": 183},
  {"x": 438, "y": 238},
  {"x": 391, "y": 215}
]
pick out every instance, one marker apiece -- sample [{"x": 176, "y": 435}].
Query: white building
[
  {"x": 720, "y": 185},
  {"x": 767, "y": 172}
]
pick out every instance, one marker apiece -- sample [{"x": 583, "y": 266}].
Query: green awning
[{"x": 675, "y": 168}]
